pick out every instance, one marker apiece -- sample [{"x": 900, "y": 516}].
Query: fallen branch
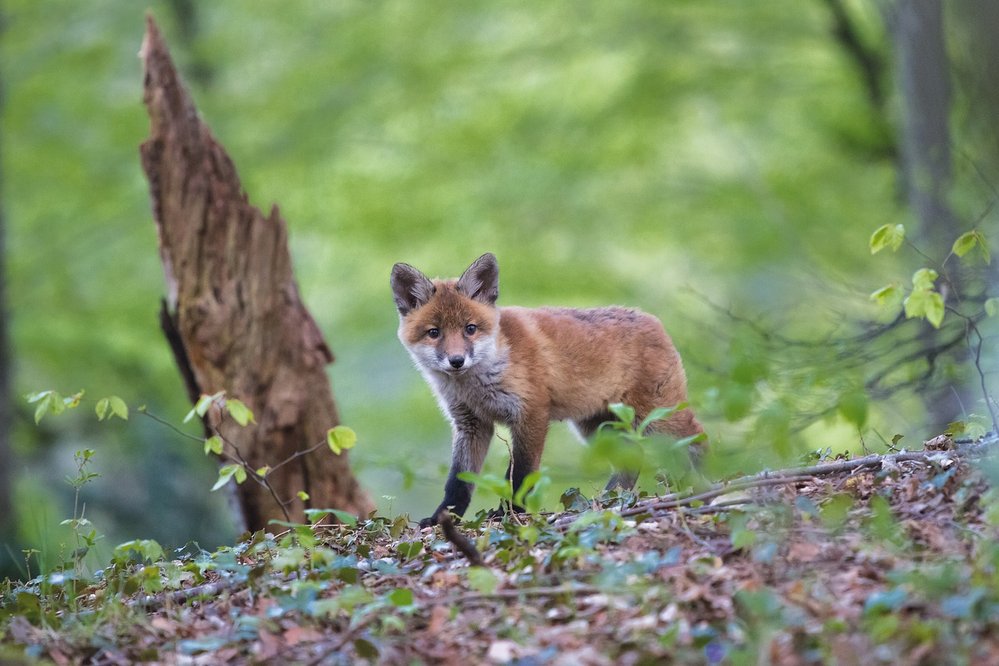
[
  {"x": 460, "y": 541},
  {"x": 790, "y": 476}
]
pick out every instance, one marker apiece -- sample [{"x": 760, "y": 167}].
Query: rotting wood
[{"x": 233, "y": 314}]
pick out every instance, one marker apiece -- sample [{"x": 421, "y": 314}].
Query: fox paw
[
  {"x": 503, "y": 510},
  {"x": 429, "y": 521}
]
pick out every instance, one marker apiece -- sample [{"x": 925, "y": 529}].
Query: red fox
[{"x": 527, "y": 367}]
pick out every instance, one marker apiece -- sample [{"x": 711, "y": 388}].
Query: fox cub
[{"x": 526, "y": 367}]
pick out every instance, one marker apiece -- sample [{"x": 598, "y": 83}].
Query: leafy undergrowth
[{"x": 890, "y": 562}]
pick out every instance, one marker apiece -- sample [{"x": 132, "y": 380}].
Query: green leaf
[
  {"x": 968, "y": 241},
  {"x": 658, "y": 414},
  {"x": 853, "y": 407},
  {"x": 624, "y": 413},
  {"x": 924, "y": 278},
  {"x": 119, "y": 408},
  {"x": 111, "y": 406},
  {"x": 213, "y": 445},
  {"x": 526, "y": 486},
  {"x": 301, "y": 494},
  {"x": 499, "y": 486},
  {"x": 340, "y": 438},
  {"x": 239, "y": 412},
  {"x": 836, "y": 510},
  {"x": 201, "y": 406},
  {"x": 737, "y": 400},
  {"x": 73, "y": 401},
  {"x": 401, "y": 597},
  {"x": 366, "y": 649},
  {"x": 992, "y": 307},
  {"x": 226, "y": 472},
  {"x": 925, "y": 303},
  {"x": 741, "y": 536},
  {"x": 345, "y": 517},
  {"x": 887, "y": 236},
  {"x": 48, "y": 401},
  {"x": 407, "y": 550},
  {"x": 482, "y": 580},
  {"x": 147, "y": 549},
  {"x": 263, "y": 471},
  {"x": 887, "y": 294}
]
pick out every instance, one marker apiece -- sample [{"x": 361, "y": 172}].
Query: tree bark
[
  {"x": 917, "y": 27},
  {"x": 233, "y": 314},
  {"x": 924, "y": 82},
  {"x": 6, "y": 403}
]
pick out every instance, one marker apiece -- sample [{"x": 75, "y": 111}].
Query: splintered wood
[{"x": 233, "y": 314}]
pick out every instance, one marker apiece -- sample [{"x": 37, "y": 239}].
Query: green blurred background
[{"x": 664, "y": 155}]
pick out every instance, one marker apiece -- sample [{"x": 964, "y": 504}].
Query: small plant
[
  {"x": 623, "y": 442},
  {"x": 926, "y": 300}
]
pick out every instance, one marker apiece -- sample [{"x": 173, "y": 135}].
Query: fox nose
[{"x": 456, "y": 361}]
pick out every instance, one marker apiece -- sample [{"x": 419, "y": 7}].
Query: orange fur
[{"x": 526, "y": 367}]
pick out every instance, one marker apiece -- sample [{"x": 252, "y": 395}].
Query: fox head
[{"x": 448, "y": 326}]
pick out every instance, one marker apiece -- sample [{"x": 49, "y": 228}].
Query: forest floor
[{"x": 884, "y": 559}]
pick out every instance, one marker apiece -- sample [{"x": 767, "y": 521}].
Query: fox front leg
[
  {"x": 468, "y": 450},
  {"x": 528, "y": 445}
]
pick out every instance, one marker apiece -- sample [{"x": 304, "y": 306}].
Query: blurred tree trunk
[
  {"x": 924, "y": 84},
  {"x": 233, "y": 313},
  {"x": 6, "y": 405},
  {"x": 923, "y": 70},
  {"x": 976, "y": 59}
]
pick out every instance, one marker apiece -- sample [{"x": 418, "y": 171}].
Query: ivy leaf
[
  {"x": 239, "y": 412},
  {"x": 887, "y": 235},
  {"x": 340, "y": 438}
]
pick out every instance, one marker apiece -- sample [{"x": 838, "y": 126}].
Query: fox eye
[
  {"x": 470, "y": 329},
  {"x": 434, "y": 333}
]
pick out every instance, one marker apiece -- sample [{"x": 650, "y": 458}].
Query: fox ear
[
  {"x": 410, "y": 287},
  {"x": 480, "y": 281}
]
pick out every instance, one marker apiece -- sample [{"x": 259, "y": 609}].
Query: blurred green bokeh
[{"x": 654, "y": 154}]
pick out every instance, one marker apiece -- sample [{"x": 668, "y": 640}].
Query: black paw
[
  {"x": 503, "y": 510},
  {"x": 429, "y": 522}
]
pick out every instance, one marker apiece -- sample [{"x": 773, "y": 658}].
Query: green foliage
[
  {"x": 887, "y": 236},
  {"x": 227, "y": 472},
  {"x": 111, "y": 406},
  {"x": 52, "y": 402},
  {"x": 340, "y": 438},
  {"x": 971, "y": 240}
]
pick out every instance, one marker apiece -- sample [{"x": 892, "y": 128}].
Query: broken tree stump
[{"x": 233, "y": 314}]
